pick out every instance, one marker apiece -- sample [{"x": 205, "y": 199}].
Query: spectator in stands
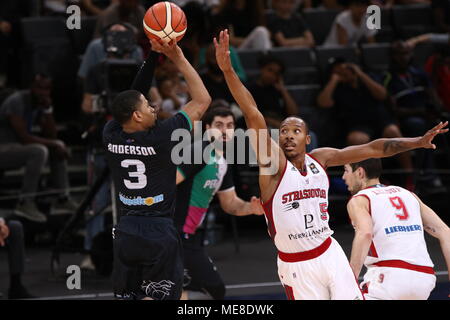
[
  {"x": 96, "y": 52},
  {"x": 438, "y": 69},
  {"x": 20, "y": 147},
  {"x": 287, "y": 27},
  {"x": 171, "y": 101},
  {"x": 11, "y": 11},
  {"x": 415, "y": 102},
  {"x": 199, "y": 32},
  {"x": 270, "y": 93},
  {"x": 129, "y": 11},
  {"x": 167, "y": 73},
  {"x": 5, "y": 44},
  {"x": 213, "y": 78},
  {"x": 96, "y": 7},
  {"x": 245, "y": 21},
  {"x": 360, "y": 111},
  {"x": 54, "y": 7},
  {"x": 441, "y": 14},
  {"x": 272, "y": 97},
  {"x": 327, "y": 4},
  {"x": 210, "y": 5},
  {"x": 350, "y": 26},
  {"x": 12, "y": 237}
]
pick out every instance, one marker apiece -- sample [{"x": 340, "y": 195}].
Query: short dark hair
[
  {"x": 372, "y": 167},
  {"x": 267, "y": 59},
  {"x": 359, "y": 2},
  {"x": 208, "y": 118},
  {"x": 300, "y": 118},
  {"x": 125, "y": 104}
]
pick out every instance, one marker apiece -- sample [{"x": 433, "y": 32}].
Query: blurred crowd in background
[{"x": 311, "y": 58}]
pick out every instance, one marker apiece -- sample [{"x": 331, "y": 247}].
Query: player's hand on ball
[
  {"x": 223, "y": 51},
  {"x": 256, "y": 206},
  {"x": 427, "y": 139},
  {"x": 169, "y": 49}
]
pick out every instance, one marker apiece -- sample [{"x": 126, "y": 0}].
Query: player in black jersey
[{"x": 147, "y": 250}]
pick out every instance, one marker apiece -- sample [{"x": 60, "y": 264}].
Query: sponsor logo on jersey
[
  {"x": 291, "y": 206},
  {"x": 303, "y": 194},
  {"x": 140, "y": 201},
  {"x": 323, "y": 211},
  {"x": 396, "y": 229},
  {"x": 212, "y": 184},
  {"x": 133, "y": 150},
  {"x": 308, "y": 234},
  {"x": 313, "y": 168}
]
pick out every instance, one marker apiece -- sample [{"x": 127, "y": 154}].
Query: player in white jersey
[
  {"x": 294, "y": 191},
  {"x": 389, "y": 224}
]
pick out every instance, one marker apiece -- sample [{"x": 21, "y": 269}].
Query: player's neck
[
  {"x": 371, "y": 183},
  {"x": 133, "y": 127},
  {"x": 299, "y": 161}
]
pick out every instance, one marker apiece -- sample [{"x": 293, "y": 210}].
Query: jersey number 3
[
  {"x": 398, "y": 204},
  {"x": 138, "y": 174}
]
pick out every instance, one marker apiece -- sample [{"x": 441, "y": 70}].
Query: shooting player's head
[{"x": 131, "y": 109}]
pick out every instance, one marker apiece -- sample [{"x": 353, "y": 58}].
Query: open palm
[
  {"x": 427, "y": 139},
  {"x": 223, "y": 51}
]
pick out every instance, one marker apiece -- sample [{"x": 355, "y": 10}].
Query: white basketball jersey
[
  {"x": 297, "y": 214},
  {"x": 397, "y": 226}
]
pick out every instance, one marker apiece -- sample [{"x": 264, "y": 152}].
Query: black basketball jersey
[{"x": 142, "y": 170}]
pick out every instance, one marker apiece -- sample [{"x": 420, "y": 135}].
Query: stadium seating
[
  {"x": 412, "y": 20},
  {"x": 324, "y": 54},
  {"x": 300, "y": 65},
  {"x": 82, "y": 37},
  {"x": 386, "y": 33},
  {"x": 375, "y": 56},
  {"x": 320, "y": 21}
]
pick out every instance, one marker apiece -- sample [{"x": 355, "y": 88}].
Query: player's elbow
[
  {"x": 365, "y": 235},
  {"x": 204, "y": 101}
]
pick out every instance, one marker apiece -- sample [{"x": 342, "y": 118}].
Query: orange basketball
[{"x": 165, "y": 21}]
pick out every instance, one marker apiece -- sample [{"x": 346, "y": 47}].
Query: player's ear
[
  {"x": 361, "y": 173},
  {"x": 137, "y": 116},
  {"x": 308, "y": 139}
]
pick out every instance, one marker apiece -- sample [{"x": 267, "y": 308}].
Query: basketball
[{"x": 165, "y": 21}]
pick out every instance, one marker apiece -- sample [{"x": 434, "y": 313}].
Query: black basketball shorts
[{"x": 148, "y": 259}]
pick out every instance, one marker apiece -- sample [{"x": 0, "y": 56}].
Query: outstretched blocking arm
[
  {"x": 380, "y": 148},
  {"x": 436, "y": 228},
  {"x": 267, "y": 151},
  {"x": 359, "y": 213},
  {"x": 200, "y": 96}
]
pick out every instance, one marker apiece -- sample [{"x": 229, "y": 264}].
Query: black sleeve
[
  {"x": 227, "y": 182},
  {"x": 144, "y": 78},
  {"x": 190, "y": 170}
]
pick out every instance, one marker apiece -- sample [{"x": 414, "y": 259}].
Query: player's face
[
  {"x": 293, "y": 137},
  {"x": 222, "y": 128},
  {"x": 147, "y": 112},
  {"x": 352, "y": 179}
]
